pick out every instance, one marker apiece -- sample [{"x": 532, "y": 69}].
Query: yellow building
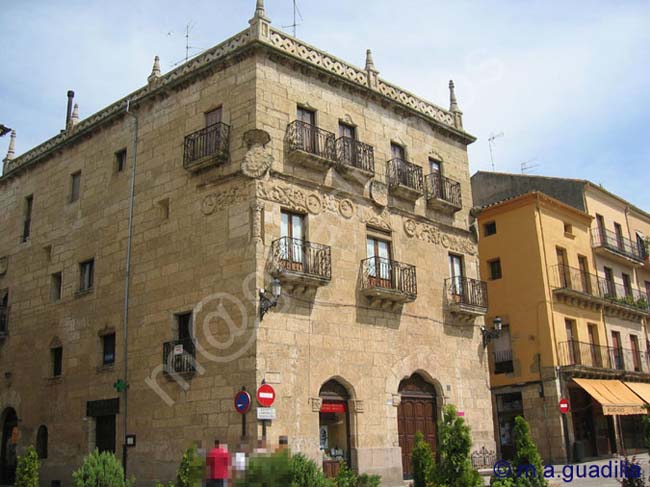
[{"x": 541, "y": 262}]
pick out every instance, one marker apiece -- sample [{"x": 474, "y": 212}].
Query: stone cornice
[{"x": 279, "y": 42}]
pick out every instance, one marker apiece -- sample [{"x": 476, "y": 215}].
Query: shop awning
[
  {"x": 641, "y": 389},
  {"x": 614, "y": 396}
]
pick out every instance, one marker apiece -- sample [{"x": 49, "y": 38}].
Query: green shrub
[
  {"x": 191, "y": 470},
  {"x": 366, "y": 480},
  {"x": 305, "y": 473},
  {"x": 421, "y": 462},
  {"x": 27, "y": 469},
  {"x": 345, "y": 477},
  {"x": 454, "y": 443},
  {"x": 526, "y": 454},
  {"x": 100, "y": 470},
  {"x": 267, "y": 471}
]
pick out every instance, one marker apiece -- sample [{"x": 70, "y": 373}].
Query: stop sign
[
  {"x": 265, "y": 395},
  {"x": 564, "y": 406}
]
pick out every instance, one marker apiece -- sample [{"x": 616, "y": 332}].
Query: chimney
[{"x": 68, "y": 114}]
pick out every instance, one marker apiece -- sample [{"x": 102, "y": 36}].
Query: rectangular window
[
  {"x": 456, "y": 273},
  {"x": 610, "y": 287},
  {"x": 647, "y": 289},
  {"x": 636, "y": 352},
  {"x": 75, "y": 186},
  {"x": 306, "y": 130},
  {"x": 305, "y": 115},
  {"x": 87, "y": 275},
  {"x": 618, "y": 229},
  {"x": 627, "y": 284},
  {"x": 56, "y": 286},
  {"x": 563, "y": 268},
  {"x": 184, "y": 324},
  {"x": 213, "y": 117},
  {"x": 640, "y": 245},
  {"x": 57, "y": 361},
  {"x": 617, "y": 351},
  {"x": 347, "y": 131},
  {"x": 572, "y": 344},
  {"x": 585, "y": 278},
  {"x": 120, "y": 160},
  {"x": 490, "y": 228},
  {"x": 397, "y": 151},
  {"x": 379, "y": 265},
  {"x": 434, "y": 166},
  {"x": 596, "y": 358},
  {"x": 108, "y": 349},
  {"x": 495, "y": 269},
  {"x": 105, "y": 433},
  {"x": 503, "y": 352},
  {"x": 568, "y": 229},
  {"x": 27, "y": 222},
  {"x": 293, "y": 234}
]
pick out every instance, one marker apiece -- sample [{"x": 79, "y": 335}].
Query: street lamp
[
  {"x": 493, "y": 334},
  {"x": 267, "y": 302}
]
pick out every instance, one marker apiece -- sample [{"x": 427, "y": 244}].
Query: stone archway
[
  {"x": 417, "y": 411},
  {"x": 8, "y": 448}
]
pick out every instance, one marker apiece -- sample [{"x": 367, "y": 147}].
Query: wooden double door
[{"x": 417, "y": 412}]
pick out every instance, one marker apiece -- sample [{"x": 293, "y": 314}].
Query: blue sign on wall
[{"x": 242, "y": 402}]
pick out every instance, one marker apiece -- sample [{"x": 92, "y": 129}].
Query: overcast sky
[{"x": 567, "y": 83}]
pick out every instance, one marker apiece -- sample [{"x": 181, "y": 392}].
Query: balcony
[
  {"x": 574, "y": 353},
  {"x": 385, "y": 281},
  {"x": 310, "y": 145},
  {"x": 576, "y": 287},
  {"x": 443, "y": 194},
  {"x": 206, "y": 147},
  {"x": 356, "y": 160},
  {"x": 4, "y": 322},
  {"x": 609, "y": 244},
  {"x": 179, "y": 357},
  {"x": 301, "y": 265},
  {"x": 503, "y": 362},
  {"x": 466, "y": 297},
  {"x": 623, "y": 301},
  {"x": 404, "y": 179}
]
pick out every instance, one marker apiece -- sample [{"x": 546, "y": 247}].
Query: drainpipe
[{"x": 127, "y": 280}]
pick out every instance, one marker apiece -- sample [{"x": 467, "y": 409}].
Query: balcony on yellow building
[
  {"x": 614, "y": 246},
  {"x": 576, "y": 286},
  {"x": 578, "y": 354}
]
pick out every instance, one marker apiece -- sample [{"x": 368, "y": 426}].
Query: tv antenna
[
  {"x": 528, "y": 165},
  {"x": 491, "y": 140},
  {"x": 296, "y": 14},
  {"x": 188, "y": 28}
]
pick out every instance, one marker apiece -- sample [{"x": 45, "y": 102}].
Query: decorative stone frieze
[{"x": 432, "y": 234}]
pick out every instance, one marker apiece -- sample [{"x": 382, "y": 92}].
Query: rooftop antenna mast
[
  {"x": 188, "y": 28},
  {"x": 296, "y": 14},
  {"x": 527, "y": 165},
  {"x": 491, "y": 140}
]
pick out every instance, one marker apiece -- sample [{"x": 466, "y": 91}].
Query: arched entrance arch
[
  {"x": 334, "y": 426},
  {"x": 417, "y": 411},
  {"x": 8, "y": 453}
]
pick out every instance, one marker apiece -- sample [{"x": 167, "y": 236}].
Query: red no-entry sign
[
  {"x": 265, "y": 395},
  {"x": 564, "y": 406}
]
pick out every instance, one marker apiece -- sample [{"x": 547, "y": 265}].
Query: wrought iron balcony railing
[
  {"x": 574, "y": 279},
  {"x": 627, "y": 296},
  {"x": 351, "y": 152},
  {"x": 442, "y": 188},
  {"x": 573, "y": 352},
  {"x": 209, "y": 141},
  {"x": 379, "y": 272},
  {"x": 4, "y": 321},
  {"x": 467, "y": 291},
  {"x": 607, "y": 239},
  {"x": 403, "y": 173},
  {"x": 179, "y": 356},
  {"x": 305, "y": 137},
  {"x": 303, "y": 257}
]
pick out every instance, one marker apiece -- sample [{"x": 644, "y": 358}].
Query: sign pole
[{"x": 264, "y": 429}]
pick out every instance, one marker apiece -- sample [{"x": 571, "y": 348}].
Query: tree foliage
[
  {"x": 27, "y": 469},
  {"x": 100, "y": 470}
]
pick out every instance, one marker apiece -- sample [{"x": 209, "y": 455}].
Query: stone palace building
[{"x": 263, "y": 213}]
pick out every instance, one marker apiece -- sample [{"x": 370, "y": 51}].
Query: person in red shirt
[{"x": 218, "y": 464}]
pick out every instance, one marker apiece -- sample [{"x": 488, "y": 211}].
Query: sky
[{"x": 567, "y": 83}]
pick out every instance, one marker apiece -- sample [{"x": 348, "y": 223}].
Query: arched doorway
[
  {"x": 8, "y": 456},
  {"x": 334, "y": 426},
  {"x": 417, "y": 412}
]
